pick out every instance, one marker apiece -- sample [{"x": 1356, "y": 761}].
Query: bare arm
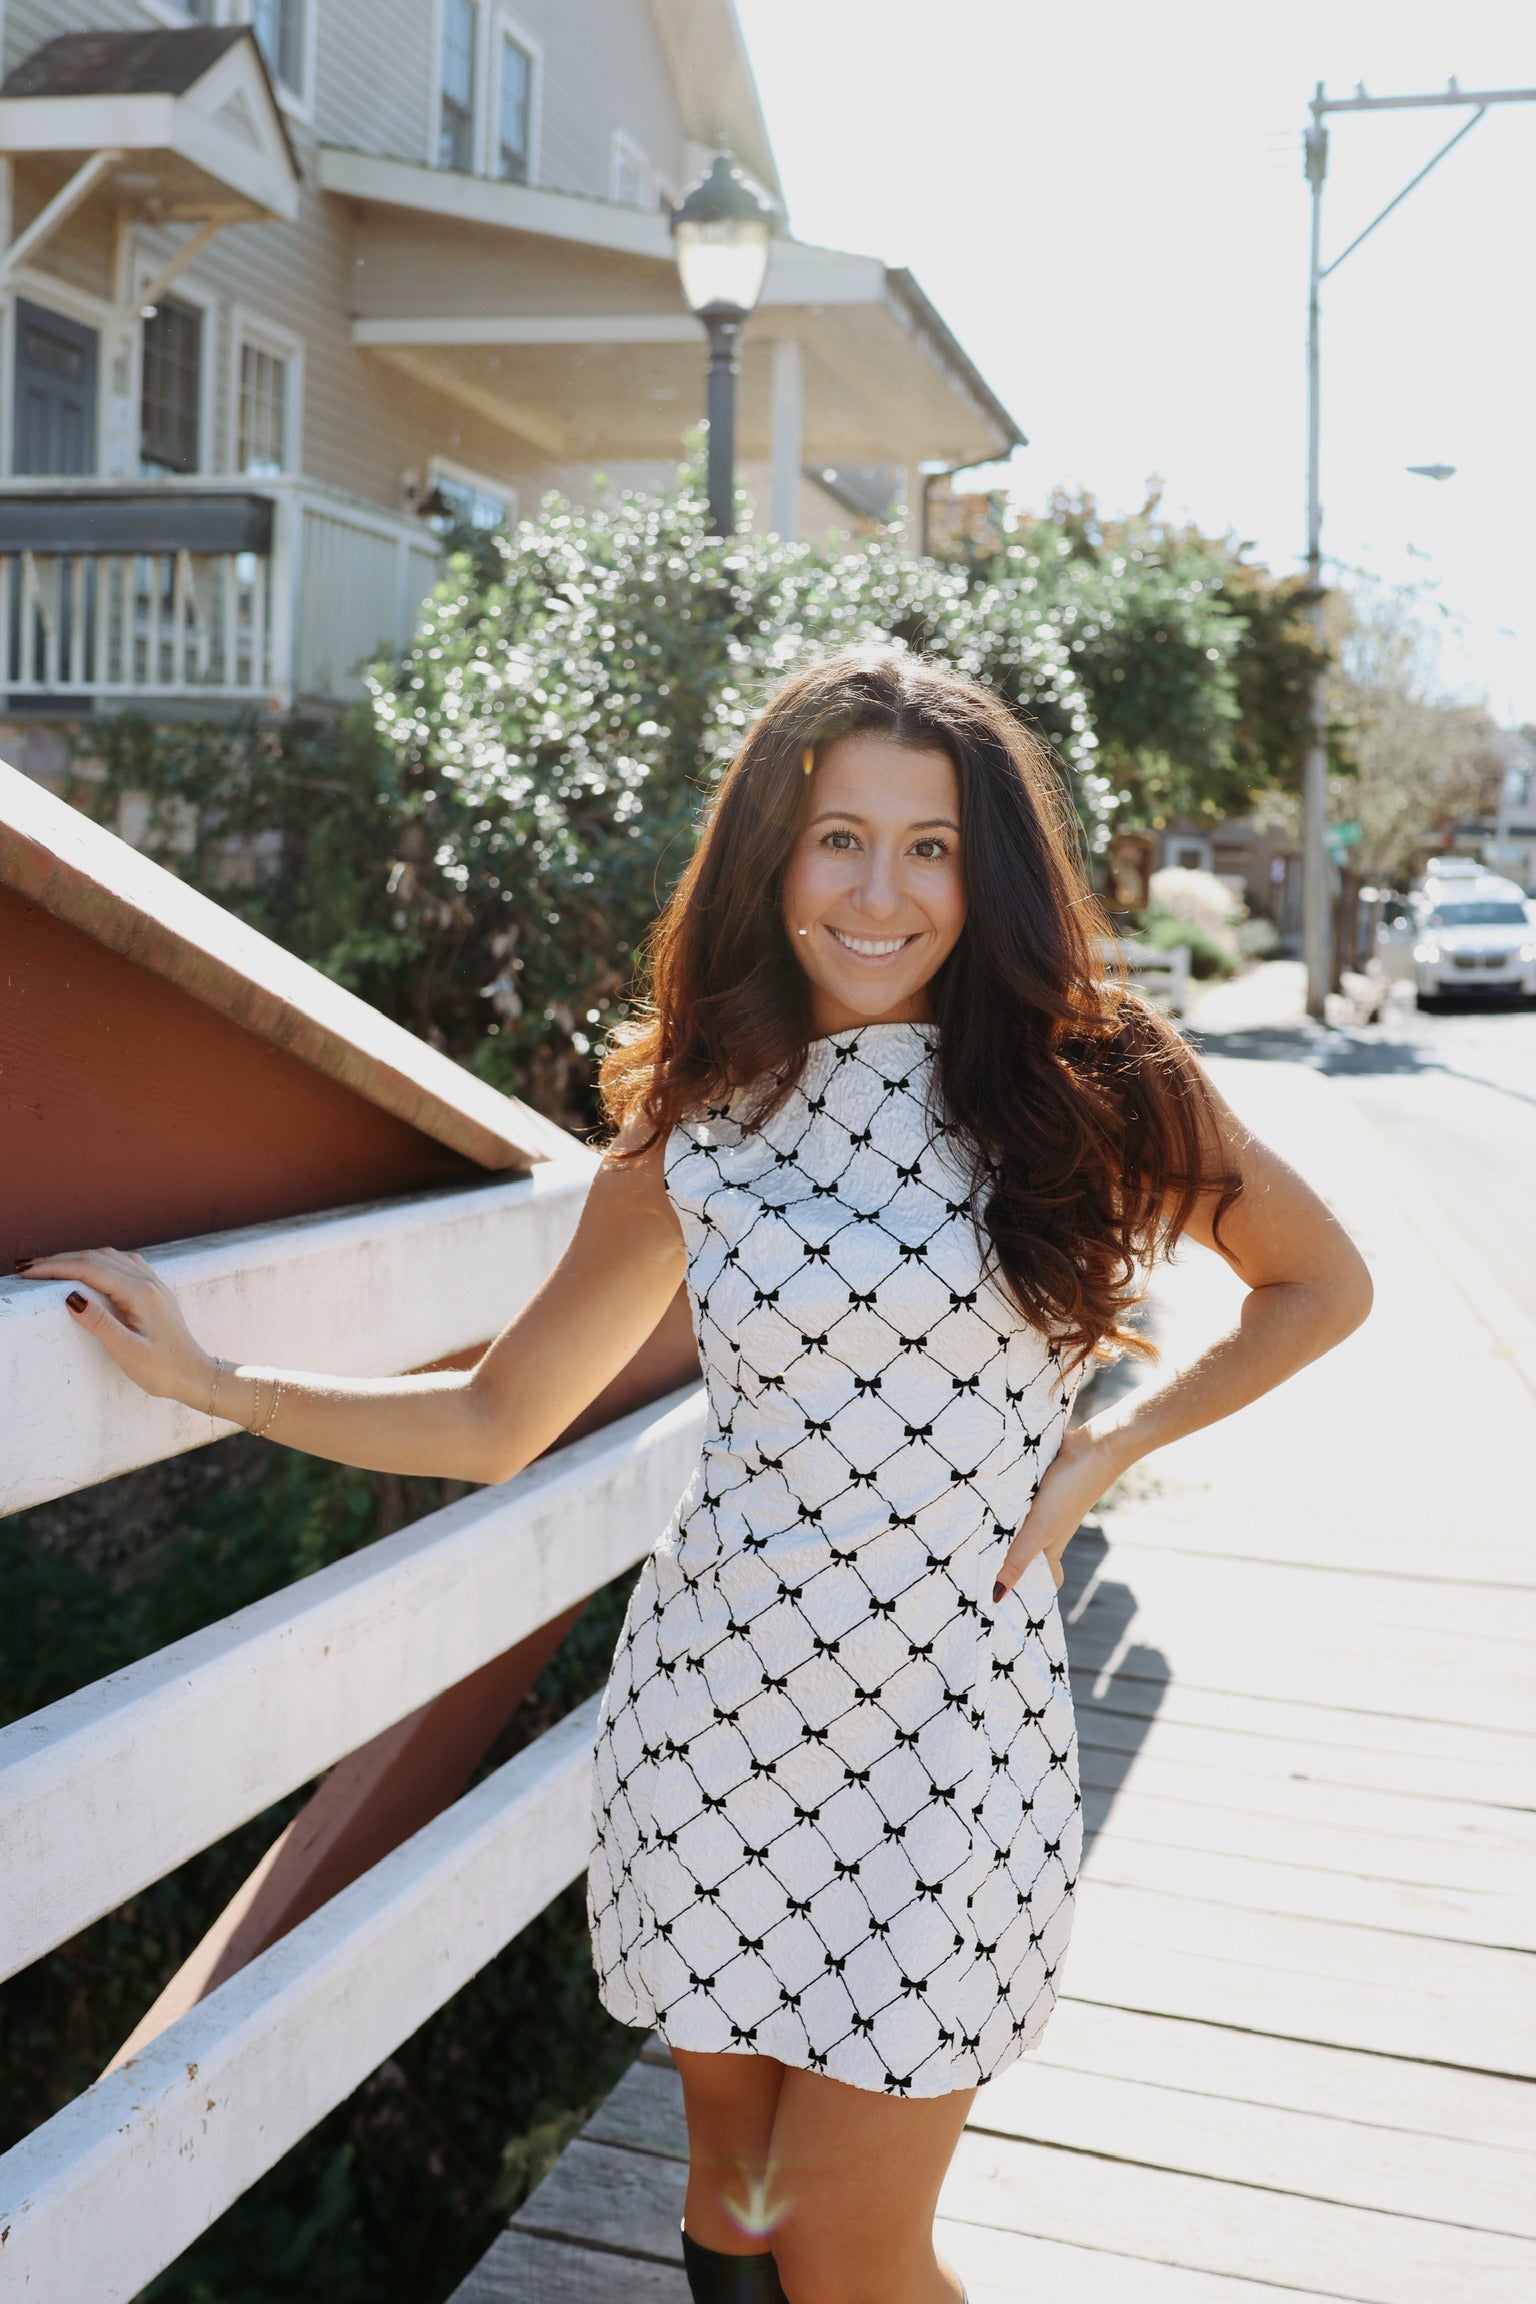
[
  {"x": 573, "y": 1336},
  {"x": 1308, "y": 1288}
]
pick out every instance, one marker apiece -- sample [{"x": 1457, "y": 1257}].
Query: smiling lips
[{"x": 870, "y": 947}]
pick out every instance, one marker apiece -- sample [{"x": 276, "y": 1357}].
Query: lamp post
[
  {"x": 720, "y": 229},
  {"x": 1316, "y": 883}
]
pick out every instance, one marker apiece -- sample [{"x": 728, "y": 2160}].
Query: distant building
[{"x": 277, "y": 274}]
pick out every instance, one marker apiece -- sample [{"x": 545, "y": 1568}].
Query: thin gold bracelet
[{"x": 260, "y": 1431}]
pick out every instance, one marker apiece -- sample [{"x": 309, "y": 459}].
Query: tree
[
  {"x": 1197, "y": 664},
  {"x": 482, "y": 851},
  {"x": 1422, "y": 760}
]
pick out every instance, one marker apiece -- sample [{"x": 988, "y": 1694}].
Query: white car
[{"x": 1474, "y": 935}]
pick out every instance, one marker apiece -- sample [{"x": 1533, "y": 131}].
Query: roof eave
[{"x": 927, "y": 321}]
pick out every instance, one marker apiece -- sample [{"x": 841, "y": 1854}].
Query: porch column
[
  {"x": 788, "y": 448},
  {"x": 912, "y": 523}
]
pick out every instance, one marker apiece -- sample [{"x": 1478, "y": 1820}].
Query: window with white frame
[
  {"x": 282, "y": 28},
  {"x": 262, "y": 416},
  {"x": 469, "y": 498},
  {"x": 171, "y": 388},
  {"x": 175, "y": 13},
  {"x": 512, "y": 157},
  {"x": 282, "y": 33},
  {"x": 629, "y": 173},
  {"x": 457, "y": 77}
]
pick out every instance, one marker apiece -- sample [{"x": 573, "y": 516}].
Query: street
[{"x": 1456, "y": 1089}]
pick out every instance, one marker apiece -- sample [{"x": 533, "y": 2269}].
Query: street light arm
[
  {"x": 1412, "y": 185},
  {"x": 1480, "y": 96}
]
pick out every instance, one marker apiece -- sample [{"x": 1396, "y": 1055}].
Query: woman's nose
[{"x": 877, "y": 892}]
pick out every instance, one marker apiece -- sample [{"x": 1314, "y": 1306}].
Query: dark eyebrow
[{"x": 847, "y": 816}]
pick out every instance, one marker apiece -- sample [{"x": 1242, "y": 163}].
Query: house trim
[{"x": 465, "y": 199}]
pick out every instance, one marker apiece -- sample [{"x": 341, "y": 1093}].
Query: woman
[{"x": 912, "y": 1154}]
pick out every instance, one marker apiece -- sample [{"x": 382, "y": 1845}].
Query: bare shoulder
[{"x": 630, "y": 1187}]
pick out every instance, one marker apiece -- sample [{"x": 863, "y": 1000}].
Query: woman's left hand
[{"x": 1084, "y": 1466}]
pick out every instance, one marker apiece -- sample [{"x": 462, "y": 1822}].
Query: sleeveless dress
[{"x": 836, "y": 1808}]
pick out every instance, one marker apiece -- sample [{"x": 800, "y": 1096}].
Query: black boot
[{"x": 717, "y": 2279}]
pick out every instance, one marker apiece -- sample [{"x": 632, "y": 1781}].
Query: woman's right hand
[
  {"x": 135, "y": 1318},
  {"x": 574, "y": 1335}
]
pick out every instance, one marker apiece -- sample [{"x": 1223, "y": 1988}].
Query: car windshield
[{"x": 1490, "y": 914}]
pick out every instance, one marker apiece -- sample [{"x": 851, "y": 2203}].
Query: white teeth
[{"x": 869, "y": 947}]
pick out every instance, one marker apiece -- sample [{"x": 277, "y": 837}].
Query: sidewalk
[
  {"x": 1297, "y": 2045},
  {"x": 1295, "y": 2054}
]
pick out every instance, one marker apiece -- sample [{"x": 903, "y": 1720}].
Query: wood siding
[{"x": 367, "y": 427}]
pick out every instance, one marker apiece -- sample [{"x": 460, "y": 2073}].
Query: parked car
[{"x": 1474, "y": 935}]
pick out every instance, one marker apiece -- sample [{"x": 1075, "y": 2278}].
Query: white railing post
[
  {"x": 342, "y": 578},
  {"x": 277, "y": 640}
]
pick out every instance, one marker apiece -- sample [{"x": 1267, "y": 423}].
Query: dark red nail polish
[
  {"x": 75, "y": 1301},
  {"x": 23, "y": 1264},
  {"x": 997, "y": 1594}
]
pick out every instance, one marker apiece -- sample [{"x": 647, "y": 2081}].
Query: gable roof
[
  {"x": 59, "y": 860},
  {"x": 193, "y": 95}
]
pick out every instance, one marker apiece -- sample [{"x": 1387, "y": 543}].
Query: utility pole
[{"x": 1316, "y": 874}]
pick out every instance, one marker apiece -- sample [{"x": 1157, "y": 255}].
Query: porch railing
[
  {"x": 118, "y": 1784},
  {"x": 198, "y": 589}
]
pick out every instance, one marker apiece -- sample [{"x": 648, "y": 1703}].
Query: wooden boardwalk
[{"x": 1298, "y": 2042}]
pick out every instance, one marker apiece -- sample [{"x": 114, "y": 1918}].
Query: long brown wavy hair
[{"x": 1090, "y": 1129}]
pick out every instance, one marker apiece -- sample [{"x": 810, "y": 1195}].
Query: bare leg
[
  {"x": 856, "y": 2178},
  {"x": 730, "y": 2102}
]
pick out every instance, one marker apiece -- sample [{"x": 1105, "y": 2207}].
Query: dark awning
[{"x": 161, "y": 520}]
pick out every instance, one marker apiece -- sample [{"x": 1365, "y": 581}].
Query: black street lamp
[{"x": 721, "y": 231}]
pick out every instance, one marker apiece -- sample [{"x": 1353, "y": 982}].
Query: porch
[{"x": 195, "y": 592}]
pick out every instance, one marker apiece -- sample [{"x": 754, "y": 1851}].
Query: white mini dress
[{"x": 836, "y": 1804}]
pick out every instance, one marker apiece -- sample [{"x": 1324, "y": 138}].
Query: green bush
[
  {"x": 1209, "y": 956},
  {"x": 1196, "y": 663},
  {"x": 482, "y": 853},
  {"x": 1258, "y": 938}
]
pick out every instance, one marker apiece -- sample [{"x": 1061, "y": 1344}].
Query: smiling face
[{"x": 874, "y": 881}]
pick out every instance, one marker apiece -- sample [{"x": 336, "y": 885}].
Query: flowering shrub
[
  {"x": 1199, "y": 911},
  {"x": 574, "y": 693}
]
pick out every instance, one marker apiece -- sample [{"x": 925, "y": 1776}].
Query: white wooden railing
[
  {"x": 1160, "y": 972},
  {"x": 116, "y": 1785},
  {"x": 343, "y": 579}
]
